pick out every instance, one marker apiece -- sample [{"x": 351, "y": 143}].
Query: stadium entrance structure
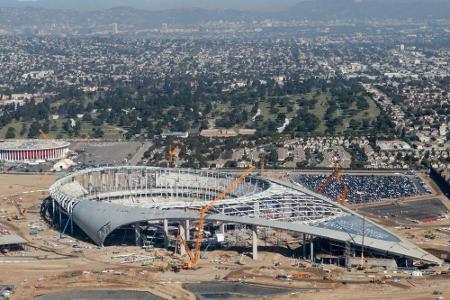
[{"x": 102, "y": 200}]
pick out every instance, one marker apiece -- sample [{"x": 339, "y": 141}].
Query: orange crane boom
[
  {"x": 336, "y": 174},
  {"x": 172, "y": 152},
  {"x": 198, "y": 242},
  {"x": 341, "y": 198}
]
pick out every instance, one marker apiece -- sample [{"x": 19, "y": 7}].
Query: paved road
[{"x": 136, "y": 159}]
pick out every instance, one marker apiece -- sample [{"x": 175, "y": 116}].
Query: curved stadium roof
[{"x": 104, "y": 199}]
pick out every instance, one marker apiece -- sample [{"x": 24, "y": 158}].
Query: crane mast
[
  {"x": 341, "y": 198},
  {"x": 194, "y": 256}
]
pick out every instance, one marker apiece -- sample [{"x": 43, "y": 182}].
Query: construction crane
[
  {"x": 341, "y": 198},
  {"x": 336, "y": 174},
  {"x": 194, "y": 256},
  {"x": 172, "y": 152}
]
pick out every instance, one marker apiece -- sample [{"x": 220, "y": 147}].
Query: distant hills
[
  {"x": 287, "y": 8},
  {"x": 249, "y": 5},
  {"x": 57, "y": 13},
  {"x": 382, "y": 9}
]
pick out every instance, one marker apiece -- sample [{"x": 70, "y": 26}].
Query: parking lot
[
  {"x": 95, "y": 154},
  {"x": 367, "y": 188},
  {"x": 409, "y": 211}
]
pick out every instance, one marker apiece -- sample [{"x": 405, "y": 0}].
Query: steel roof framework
[{"x": 121, "y": 194}]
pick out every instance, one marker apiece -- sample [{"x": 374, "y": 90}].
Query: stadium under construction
[{"x": 111, "y": 205}]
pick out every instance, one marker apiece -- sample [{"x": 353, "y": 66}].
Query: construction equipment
[
  {"x": 336, "y": 174},
  {"x": 194, "y": 256},
  {"x": 300, "y": 275},
  {"x": 341, "y": 198},
  {"x": 172, "y": 152}
]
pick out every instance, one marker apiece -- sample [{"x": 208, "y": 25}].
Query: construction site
[{"x": 134, "y": 232}]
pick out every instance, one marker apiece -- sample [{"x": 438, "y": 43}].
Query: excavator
[
  {"x": 341, "y": 198},
  {"x": 194, "y": 256}
]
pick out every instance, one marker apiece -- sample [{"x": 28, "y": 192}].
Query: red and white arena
[{"x": 33, "y": 150}]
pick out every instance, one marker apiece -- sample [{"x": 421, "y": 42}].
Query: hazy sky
[{"x": 167, "y": 4}]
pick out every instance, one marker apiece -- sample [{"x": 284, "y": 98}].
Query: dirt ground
[
  {"x": 12, "y": 183},
  {"x": 51, "y": 263}
]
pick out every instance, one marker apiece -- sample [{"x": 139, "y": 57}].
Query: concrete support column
[
  {"x": 137, "y": 233},
  {"x": 60, "y": 218},
  {"x": 304, "y": 246},
  {"x": 90, "y": 183},
  {"x": 255, "y": 242},
  {"x": 256, "y": 208},
  {"x": 311, "y": 255},
  {"x": 104, "y": 181},
  {"x": 116, "y": 180},
  {"x": 166, "y": 233},
  {"x": 182, "y": 234},
  {"x": 222, "y": 226},
  {"x": 186, "y": 227},
  {"x": 71, "y": 224},
  {"x": 53, "y": 212}
]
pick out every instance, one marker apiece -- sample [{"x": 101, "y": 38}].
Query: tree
[
  {"x": 97, "y": 133},
  {"x": 10, "y": 133},
  {"x": 33, "y": 132},
  {"x": 230, "y": 164},
  {"x": 272, "y": 156},
  {"x": 46, "y": 126},
  {"x": 23, "y": 130},
  {"x": 301, "y": 164}
]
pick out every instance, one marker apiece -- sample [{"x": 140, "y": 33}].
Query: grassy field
[
  {"x": 110, "y": 132},
  {"x": 319, "y": 110},
  {"x": 272, "y": 111}
]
